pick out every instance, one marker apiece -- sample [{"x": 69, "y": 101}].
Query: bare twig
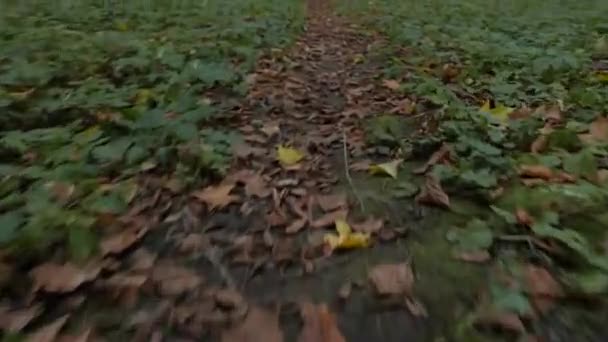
[{"x": 347, "y": 171}]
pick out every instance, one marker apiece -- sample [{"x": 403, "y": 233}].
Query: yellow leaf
[
  {"x": 288, "y": 155},
  {"x": 122, "y": 26},
  {"x": 500, "y": 112},
  {"x": 346, "y": 239},
  {"x": 602, "y": 76},
  {"x": 389, "y": 168}
]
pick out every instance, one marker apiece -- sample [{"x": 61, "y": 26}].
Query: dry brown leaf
[
  {"x": 523, "y": 217},
  {"x": 244, "y": 151},
  {"x": 329, "y": 218},
  {"x": 216, "y": 196},
  {"x": 49, "y": 332},
  {"x": 536, "y": 171},
  {"x": 602, "y": 176},
  {"x": 416, "y": 307},
  {"x": 391, "y": 84},
  {"x": 142, "y": 260},
  {"x": 532, "y": 182},
  {"x": 371, "y": 225},
  {"x": 258, "y": 326},
  {"x": 271, "y": 129},
  {"x": 405, "y": 107},
  {"x": 542, "y": 287},
  {"x": 174, "y": 280},
  {"x": 82, "y": 337},
  {"x": 16, "y": 320},
  {"x": 257, "y": 186},
  {"x": 192, "y": 243},
  {"x": 553, "y": 114},
  {"x": 332, "y": 202},
  {"x": 563, "y": 177},
  {"x": 599, "y": 129},
  {"x": 362, "y": 165},
  {"x": 433, "y": 194},
  {"x": 506, "y": 321},
  {"x": 539, "y": 144},
  {"x": 442, "y": 155},
  {"x": 125, "y": 280},
  {"x": 276, "y": 218},
  {"x": 319, "y": 324},
  {"x": 64, "y": 278},
  {"x": 474, "y": 256},
  {"x": 296, "y": 226},
  {"x": 392, "y": 279},
  {"x": 121, "y": 241}
]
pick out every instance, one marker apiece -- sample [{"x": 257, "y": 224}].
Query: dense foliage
[
  {"x": 94, "y": 93},
  {"x": 518, "y": 89}
]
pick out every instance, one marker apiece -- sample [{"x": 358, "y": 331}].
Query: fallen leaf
[
  {"x": 329, "y": 218},
  {"x": 121, "y": 241},
  {"x": 415, "y": 307},
  {"x": 82, "y": 337},
  {"x": 257, "y": 186},
  {"x": 64, "y": 278},
  {"x": 553, "y": 114},
  {"x": 49, "y": 332},
  {"x": 405, "y": 106},
  {"x": 542, "y": 287},
  {"x": 174, "y": 280},
  {"x": 443, "y": 154},
  {"x": 345, "y": 290},
  {"x": 216, "y": 196},
  {"x": 192, "y": 243},
  {"x": 499, "y": 112},
  {"x": 539, "y": 144},
  {"x": 271, "y": 129},
  {"x": 319, "y": 324},
  {"x": 390, "y": 168},
  {"x": 258, "y": 326},
  {"x": 296, "y": 226},
  {"x": 371, "y": 225},
  {"x": 602, "y": 176},
  {"x": 362, "y": 165},
  {"x": 391, "y": 84},
  {"x": 473, "y": 256},
  {"x": 16, "y": 320},
  {"x": 332, "y": 202},
  {"x": 392, "y": 279},
  {"x": 599, "y": 129},
  {"x": 536, "y": 171},
  {"x": 245, "y": 151},
  {"x": 142, "y": 260},
  {"x": 289, "y": 156},
  {"x": 523, "y": 217},
  {"x": 346, "y": 239},
  {"x": 506, "y": 321},
  {"x": 432, "y": 193},
  {"x": 125, "y": 280}
]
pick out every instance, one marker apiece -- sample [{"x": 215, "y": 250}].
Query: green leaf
[
  {"x": 475, "y": 236},
  {"x": 185, "y": 131},
  {"x": 581, "y": 164},
  {"x": 9, "y": 225},
  {"x": 482, "y": 178},
  {"x": 109, "y": 203},
  {"x": 81, "y": 242}
]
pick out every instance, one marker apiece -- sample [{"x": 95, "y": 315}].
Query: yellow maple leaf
[
  {"x": 389, "y": 168},
  {"x": 346, "y": 239},
  {"x": 288, "y": 155},
  {"x": 499, "y": 112}
]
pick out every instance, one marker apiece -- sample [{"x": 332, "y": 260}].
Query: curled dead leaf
[
  {"x": 392, "y": 279},
  {"x": 16, "y": 320},
  {"x": 216, "y": 196},
  {"x": 473, "y": 256},
  {"x": 523, "y": 217},
  {"x": 329, "y": 218},
  {"x": 599, "y": 129},
  {"x": 542, "y": 287},
  {"x": 49, "y": 332},
  {"x": 536, "y": 171},
  {"x": 296, "y": 226},
  {"x": 332, "y": 202},
  {"x": 257, "y": 186},
  {"x": 51, "y": 277},
  {"x": 371, "y": 226},
  {"x": 121, "y": 241},
  {"x": 174, "y": 280},
  {"x": 319, "y": 324},
  {"x": 442, "y": 155},
  {"x": 258, "y": 326},
  {"x": 432, "y": 193},
  {"x": 391, "y": 84}
]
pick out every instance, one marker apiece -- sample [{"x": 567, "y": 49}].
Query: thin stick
[{"x": 347, "y": 172}]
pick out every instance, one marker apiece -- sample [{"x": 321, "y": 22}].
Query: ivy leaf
[
  {"x": 475, "y": 236},
  {"x": 9, "y": 225},
  {"x": 581, "y": 164},
  {"x": 482, "y": 178}
]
